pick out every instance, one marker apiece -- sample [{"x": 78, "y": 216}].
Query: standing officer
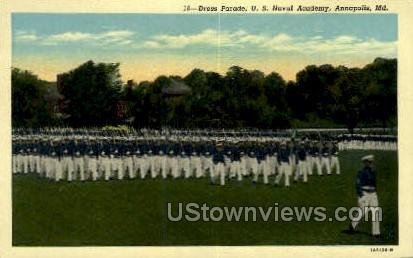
[{"x": 366, "y": 188}]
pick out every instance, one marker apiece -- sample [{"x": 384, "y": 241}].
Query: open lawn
[{"x": 134, "y": 212}]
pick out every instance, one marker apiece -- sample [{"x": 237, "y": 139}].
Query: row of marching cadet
[{"x": 268, "y": 162}]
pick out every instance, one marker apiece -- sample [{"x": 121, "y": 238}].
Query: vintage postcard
[{"x": 221, "y": 128}]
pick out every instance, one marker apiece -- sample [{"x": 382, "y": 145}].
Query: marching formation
[
  {"x": 262, "y": 157},
  {"x": 66, "y": 159}
]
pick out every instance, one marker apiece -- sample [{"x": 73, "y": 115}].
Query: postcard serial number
[{"x": 381, "y": 249}]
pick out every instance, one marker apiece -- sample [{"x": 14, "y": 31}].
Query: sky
[{"x": 149, "y": 45}]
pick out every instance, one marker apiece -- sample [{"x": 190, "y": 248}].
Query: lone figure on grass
[{"x": 367, "y": 197}]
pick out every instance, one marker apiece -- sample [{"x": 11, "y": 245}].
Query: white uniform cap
[{"x": 368, "y": 158}]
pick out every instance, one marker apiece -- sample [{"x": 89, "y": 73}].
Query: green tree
[
  {"x": 91, "y": 93},
  {"x": 349, "y": 93},
  {"x": 34, "y": 101},
  {"x": 380, "y": 103},
  {"x": 275, "y": 89},
  {"x": 314, "y": 85},
  {"x": 139, "y": 104}
]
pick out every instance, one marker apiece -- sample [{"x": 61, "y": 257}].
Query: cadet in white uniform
[
  {"x": 79, "y": 162},
  {"x": 127, "y": 161},
  {"x": 302, "y": 163},
  {"x": 91, "y": 164},
  {"x": 335, "y": 163},
  {"x": 325, "y": 159},
  {"x": 145, "y": 161},
  {"x": 196, "y": 164},
  {"x": 219, "y": 165},
  {"x": 67, "y": 161},
  {"x": 366, "y": 188},
  {"x": 104, "y": 162},
  {"x": 285, "y": 169},
  {"x": 315, "y": 157},
  {"x": 207, "y": 162}
]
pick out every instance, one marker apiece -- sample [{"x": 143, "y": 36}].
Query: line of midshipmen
[
  {"x": 367, "y": 142},
  {"x": 367, "y": 139},
  {"x": 270, "y": 162}
]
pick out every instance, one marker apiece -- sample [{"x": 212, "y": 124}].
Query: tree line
[{"x": 93, "y": 94}]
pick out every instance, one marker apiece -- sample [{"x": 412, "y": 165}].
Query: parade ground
[{"x": 134, "y": 212}]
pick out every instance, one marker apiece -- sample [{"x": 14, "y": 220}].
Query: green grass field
[{"x": 134, "y": 213}]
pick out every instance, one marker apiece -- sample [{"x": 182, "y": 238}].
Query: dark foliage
[{"x": 338, "y": 96}]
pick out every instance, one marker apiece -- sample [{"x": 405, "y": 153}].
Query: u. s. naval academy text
[{"x": 274, "y": 8}]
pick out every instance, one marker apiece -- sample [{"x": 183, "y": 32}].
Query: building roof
[{"x": 176, "y": 88}]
